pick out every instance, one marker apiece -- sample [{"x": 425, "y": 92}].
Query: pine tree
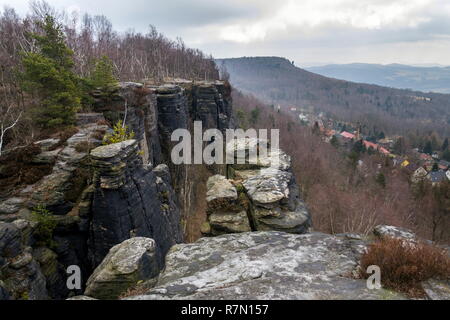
[
  {"x": 334, "y": 141},
  {"x": 446, "y": 155},
  {"x": 428, "y": 149},
  {"x": 381, "y": 179},
  {"x": 103, "y": 74},
  {"x": 48, "y": 74}
]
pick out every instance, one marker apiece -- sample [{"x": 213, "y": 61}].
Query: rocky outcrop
[
  {"x": 265, "y": 265},
  {"x": 20, "y": 274},
  {"x": 104, "y": 197},
  {"x": 262, "y": 195},
  {"x": 130, "y": 200},
  {"x": 125, "y": 265}
]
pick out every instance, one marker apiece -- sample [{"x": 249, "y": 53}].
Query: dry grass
[{"x": 404, "y": 265}]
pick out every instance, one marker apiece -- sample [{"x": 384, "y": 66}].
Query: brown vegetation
[
  {"x": 404, "y": 265},
  {"x": 17, "y": 168}
]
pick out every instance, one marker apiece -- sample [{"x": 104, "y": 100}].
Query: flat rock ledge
[{"x": 265, "y": 266}]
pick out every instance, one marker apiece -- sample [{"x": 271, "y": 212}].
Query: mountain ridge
[
  {"x": 395, "y": 75},
  {"x": 276, "y": 80}
]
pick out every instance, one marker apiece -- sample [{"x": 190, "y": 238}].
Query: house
[
  {"x": 419, "y": 174},
  {"x": 347, "y": 135},
  {"x": 437, "y": 176},
  {"x": 425, "y": 157},
  {"x": 375, "y": 147},
  {"x": 405, "y": 163},
  {"x": 448, "y": 174},
  {"x": 444, "y": 165},
  {"x": 329, "y": 132}
]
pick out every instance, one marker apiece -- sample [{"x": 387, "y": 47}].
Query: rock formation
[
  {"x": 130, "y": 200},
  {"x": 100, "y": 196},
  {"x": 124, "y": 266},
  {"x": 265, "y": 265},
  {"x": 260, "y": 195}
]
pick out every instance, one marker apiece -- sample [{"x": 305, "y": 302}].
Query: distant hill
[
  {"x": 395, "y": 111},
  {"x": 435, "y": 79}
]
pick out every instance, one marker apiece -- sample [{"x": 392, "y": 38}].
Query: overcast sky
[{"x": 306, "y": 31}]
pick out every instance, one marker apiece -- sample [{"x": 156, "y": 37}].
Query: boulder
[
  {"x": 382, "y": 231},
  {"x": 437, "y": 289},
  {"x": 220, "y": 192},
  {"x": 127, "y": 263},
  {"x": 268, "y": 187},
  {"x": 11, "y": 205},
  {"x": 229, "y": 222},
  {"x": 265, "y": 266}
]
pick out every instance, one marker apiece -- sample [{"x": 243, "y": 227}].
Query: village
[{"x": 419, "y": 164}]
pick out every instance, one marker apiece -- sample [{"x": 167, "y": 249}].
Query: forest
[
  {"x": 90, "y": 43},
  {"x": 342, "y": 196},
  {"x": 393, "y": 111}
]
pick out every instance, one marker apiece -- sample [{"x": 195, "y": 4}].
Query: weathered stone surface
[
  {"x": 11, "y": 205},
  {"x": 48, "y": 144},
  {"x": 46, "y": 157},
  {"x": 437, "y": 289},
  {"x": 268, "y": 187},
  {"x": 130, "y": 200},
  {"x": 4, "y": 295},
  {"x": 268, "y": 190},
  {"x": 125, "y": 265},
  {"x": 220, "y": 192},
  {"x": 81, "y": 298},
  {"x": 60, "y": 190},
  {"x": 265, "y": 265},
  {"x": 382, "y": 231},
  {"x": 229, "y": 222},
  {"x": 10, "y": 240},
  {"x": 248, "y": 154},
  {"x": 20, "y": 274}
]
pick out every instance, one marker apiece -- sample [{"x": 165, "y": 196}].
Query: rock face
[
  {"x": 126, "y": 264},
  {"x": 262, "y": 196},
  {"x": 103, "y": 198},
  {"x": 130, "y": 200},
  {"x": 20, "y": 276},
  {"x": 265, "y": 265}
]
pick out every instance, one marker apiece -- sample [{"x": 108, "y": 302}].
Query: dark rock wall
[
  {"x": 130, "y": 200},
  {"x": 100, "y": 200}
]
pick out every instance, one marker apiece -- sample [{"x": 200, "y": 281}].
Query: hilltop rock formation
[
  {"x": 130, "y": 200},
  {"x": 261, "y": 195},
  {"x": 100, "y": 196}
]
